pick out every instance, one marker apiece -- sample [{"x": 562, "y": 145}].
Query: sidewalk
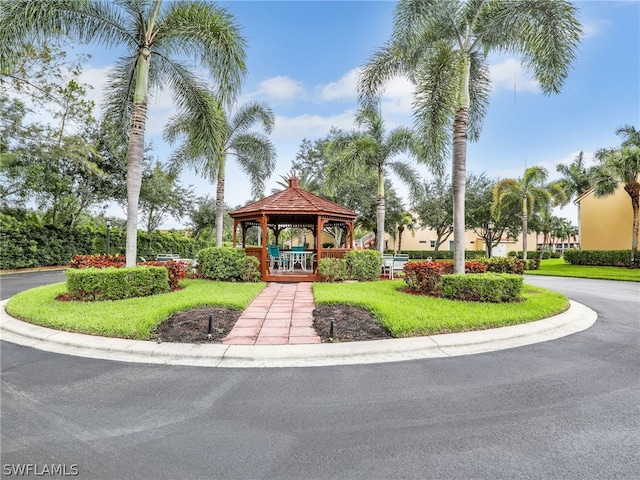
[{"x": 281, "y": 315}]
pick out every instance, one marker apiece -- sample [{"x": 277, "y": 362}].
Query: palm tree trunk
[
  {"x": 135, "y": 154},
  {"x": 459, "y": 168},
  {"x": 220, "y": 202},
  {"x": 380, "y": 210},
  {"x": 459, "y": 176},
  {"x": 633, "y": 189}
]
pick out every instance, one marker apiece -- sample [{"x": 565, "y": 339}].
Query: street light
[
  {"x": 108, "y": 234},
  {"x": 489, "y": 232}
]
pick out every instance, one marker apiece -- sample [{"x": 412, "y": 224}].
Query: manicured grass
[
  {"x": 408, "y": 315},
  {"x": 558, "y": 267},
  {"x": 131, "y": 318}
]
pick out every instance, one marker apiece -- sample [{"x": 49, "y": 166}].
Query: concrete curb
[{"x": 576, "y": 319}]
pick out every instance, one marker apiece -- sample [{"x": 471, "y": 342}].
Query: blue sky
[{"x": 303, "y": 58}]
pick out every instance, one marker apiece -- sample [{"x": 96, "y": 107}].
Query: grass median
[
  {"x": 559, "y": 268},
  {"x": 405, "y": 314},
  {"x": 133, "y": 318},
  {"x": 402, "y": 313}
]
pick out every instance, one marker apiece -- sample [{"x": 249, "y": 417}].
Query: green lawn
[
  {"x": 131, "y": 318},
  {"x": 407, "y": 315},
  {"x": 558, "y": 267},
  {"x": 402, "y": 313}
]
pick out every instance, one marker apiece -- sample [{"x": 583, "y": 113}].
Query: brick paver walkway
[{"x": 280, "y": 315}]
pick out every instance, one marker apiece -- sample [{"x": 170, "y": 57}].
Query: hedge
[
  {"x": 610, "y": 258},
  {"x": 26, "y": 244},
  {"x": 114, "y": 283},
  {"x": 439, "y": 255},
  {"x": 485, "y": 287}
]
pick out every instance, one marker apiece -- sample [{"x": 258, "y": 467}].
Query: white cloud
[
  {"x": 510, "y": 75},
  {"x": 595, "y": 27},
  {"x": 280, "y": 89},
  {"x": 343, "y": 89}
]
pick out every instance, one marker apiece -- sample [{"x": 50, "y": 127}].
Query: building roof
[{"x": 294, "y": 201}]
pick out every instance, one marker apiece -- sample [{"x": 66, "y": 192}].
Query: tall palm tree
[
  {"x": 575, "y": 177},
  {"x": 441, "y": 46},
  {"x": 621, "y": 166},
  {"x": 530, "y": 191},
  {"x": 352, "y": 153},
  {"x": 253, "y": 151},
  {"x": 161, "y": 44}
]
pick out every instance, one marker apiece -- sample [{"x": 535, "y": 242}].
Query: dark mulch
[
  {"x": 351, "y": 324},
  {"x": 191, "y": 326}
]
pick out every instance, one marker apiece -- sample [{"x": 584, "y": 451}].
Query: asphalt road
[{"x": 565, "y": 409}]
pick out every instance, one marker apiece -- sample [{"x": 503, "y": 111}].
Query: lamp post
[
  {"x": 489, "y": 234},
  {"x": 108, "y": 234}
]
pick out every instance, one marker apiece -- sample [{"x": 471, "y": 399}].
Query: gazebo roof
[{"x": 294, "y": 201}]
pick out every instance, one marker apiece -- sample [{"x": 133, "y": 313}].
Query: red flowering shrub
[
  {"x": 97, "y": 261},
  {"x": 177, "y": 271},
  {"x": 422, "y": 277},
  {"x": 470, "y": 266}
]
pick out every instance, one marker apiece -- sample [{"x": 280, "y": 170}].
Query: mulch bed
[{"x": 351, "y": 324}]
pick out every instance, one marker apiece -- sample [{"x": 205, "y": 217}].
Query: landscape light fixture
[
  {"x": 490, "y": 226},
  {"x": 108, "y": 234}
]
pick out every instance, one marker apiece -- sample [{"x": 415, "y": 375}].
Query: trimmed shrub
[
  {"x": 227, "y": 265},
  {"x": 610, "y": 258},
  {"x": 363, "y": 264},
  {"x": 472, "y": 266},
  {"x": 533, "y": 264},
  {"x": 114, "y": 283},
  {"x": 487, "y": 287},
  {"x": 423, "y": 277},
  {"x": 333, "y": 269},
  {"x": 505, "y": 265}
]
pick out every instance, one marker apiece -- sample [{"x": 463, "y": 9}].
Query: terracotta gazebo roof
[{"x": 294, "y": 201}]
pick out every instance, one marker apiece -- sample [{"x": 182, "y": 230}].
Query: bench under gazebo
[{"x": 293, "y": 207}]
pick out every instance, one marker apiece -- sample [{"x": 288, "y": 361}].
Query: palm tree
[
  {"x": 407, "y": 222},
  {"x": 160, "y": 46},
  {"x": 441, "y": 46},
  {"x": 253, "y": 151},
  {"x": 621, "y": 166},
  {"x": 530, "y": 191},
  {"x": 356, "y": 152},
  {"x": 575, "y": 177}
]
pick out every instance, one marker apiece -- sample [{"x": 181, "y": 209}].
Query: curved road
[{"x": 565, "y": 409}]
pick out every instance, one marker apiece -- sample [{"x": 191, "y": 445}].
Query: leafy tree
[
  {"x": 621, "y": 166},
  {"x": 434, "y": 207},
  {"x": 372, "y": 149},
  {"x": 441, "y": 46},
  {"x": 195, "y": 30},
  {"x": 253, "y": 151},
  {"x": 162, "y": 195}
]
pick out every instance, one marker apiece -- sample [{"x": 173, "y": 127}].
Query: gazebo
[{"x": 294, "y": 207}]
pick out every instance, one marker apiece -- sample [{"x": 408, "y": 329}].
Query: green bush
[
  {"x": 363, "y": 264},
  {"x": 333, "y": 269},
  {"x": 227, "y": 265},
  {"x": 485, "y": 287},
  {"x": 505, "y": 265},
  {"x": 113, "y": 283},
  {"x": 611, "y": 258},
  {"x": 533, "y": 264}
]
